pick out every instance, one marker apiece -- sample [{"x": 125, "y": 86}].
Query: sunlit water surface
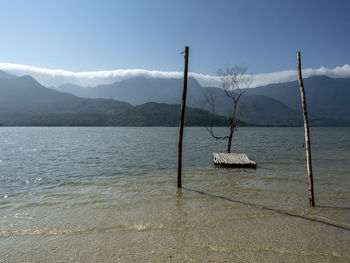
[{"x": 110, "y": 195}]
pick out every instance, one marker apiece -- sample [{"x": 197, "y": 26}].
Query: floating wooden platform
[{"x": 233, "y": 160}]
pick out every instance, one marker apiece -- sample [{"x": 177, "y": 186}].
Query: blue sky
[{"x": 105, "y": 35}]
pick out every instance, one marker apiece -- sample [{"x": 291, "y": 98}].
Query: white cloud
[
  {"x": 56, "y": 77},
  {"x": 290, "y": 75}
]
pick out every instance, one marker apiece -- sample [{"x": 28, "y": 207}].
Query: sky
[{"x": 89, "y": 36}]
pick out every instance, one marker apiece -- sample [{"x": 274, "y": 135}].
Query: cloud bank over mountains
[{"x": 57, "y": 77}]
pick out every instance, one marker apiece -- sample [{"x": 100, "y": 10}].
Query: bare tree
[{"x": 234, "y": 81}]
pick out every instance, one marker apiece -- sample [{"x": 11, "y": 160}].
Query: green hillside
[{"x": 161, "y": 114}]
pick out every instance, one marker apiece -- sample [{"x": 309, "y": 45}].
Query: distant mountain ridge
[
  {"x": 136, "y": 90},
  {"x": 277, "y": 104},
  {"x": 23, "y": 101},
  {"x": 25, "y": 93},
  {"x": 254, "y": 109},
  {"x": 327, "y": 97}
]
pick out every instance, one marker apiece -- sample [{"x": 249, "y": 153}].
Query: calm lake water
[{"x": 110, "y": 195}]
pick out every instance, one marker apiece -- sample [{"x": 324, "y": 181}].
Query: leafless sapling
[{"x": 234, "y": 81}]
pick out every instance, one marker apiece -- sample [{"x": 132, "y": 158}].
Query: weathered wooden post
[
  {"x": 307, "y": 135},
  {"x": 182, "y": 117}
]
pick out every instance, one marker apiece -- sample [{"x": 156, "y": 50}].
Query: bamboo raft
[{"x": 233, "y": 160}]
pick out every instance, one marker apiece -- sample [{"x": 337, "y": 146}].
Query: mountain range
[
  {"x": 25, "y": 102},
  {"x": 275, "y": 105},
  {"x": 326, "y": 97},
  {"x": 155, "y": 102}
]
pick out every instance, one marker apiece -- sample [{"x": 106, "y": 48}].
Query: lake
[{"x": 108, "y": 194}]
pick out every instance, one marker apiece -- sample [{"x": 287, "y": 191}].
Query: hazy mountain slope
[
  {"x": 23, "y": 99},
  {"x": 137, "y": 90},
  {"x": 327, "y": 97},
  {"x": 263, "y": 110},
  {"x": 18, "y": 94},
  {"x": 140, "y": 90},
  {"x": 24, "y": 102}
]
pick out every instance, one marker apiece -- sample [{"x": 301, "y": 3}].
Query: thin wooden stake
[
  {"x": 307, "y": 135},
  {"x": 182, "y": 118}
]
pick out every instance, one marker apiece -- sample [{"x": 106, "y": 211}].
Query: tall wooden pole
[
  {"x": 307, "y": 135},
  {"x": 182, "y": 118}
]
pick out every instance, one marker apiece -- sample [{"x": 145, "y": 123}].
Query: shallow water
[{"x": 109, "y": 195}]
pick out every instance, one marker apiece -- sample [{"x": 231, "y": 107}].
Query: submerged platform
[{"x": 233, "y": 160}]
